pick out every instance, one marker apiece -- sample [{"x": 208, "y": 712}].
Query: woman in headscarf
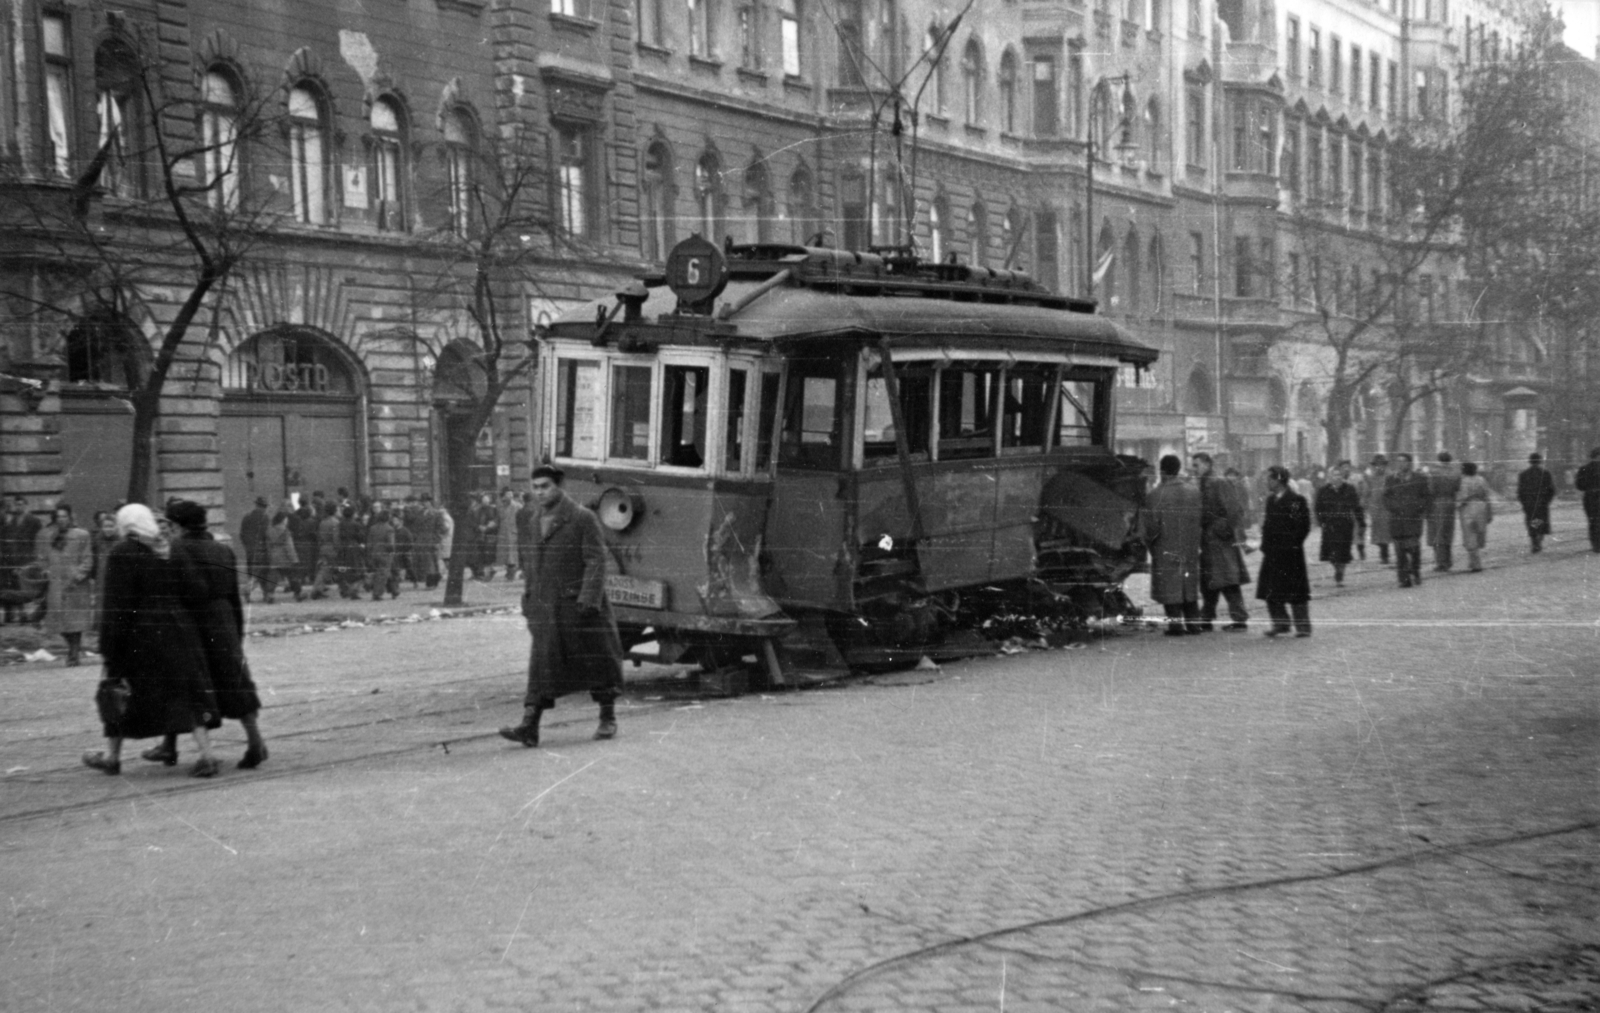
[
  {"x": 219, "y": 616},
  {"x": 151, "y": 645},
  {"x": 67, "y": 555}
]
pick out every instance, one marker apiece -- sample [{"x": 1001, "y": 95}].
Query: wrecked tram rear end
[{"x": 794, "y": 448}]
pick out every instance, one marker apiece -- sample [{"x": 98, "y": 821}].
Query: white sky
[{"x": 1582, "y": 18}]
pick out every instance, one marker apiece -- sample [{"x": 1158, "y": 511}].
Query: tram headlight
[{"x": 619, "y": 509}]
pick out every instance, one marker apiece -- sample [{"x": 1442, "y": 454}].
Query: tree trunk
[
  {"x": 461, "y": 439},
  {"x": 141, "y": 462}
]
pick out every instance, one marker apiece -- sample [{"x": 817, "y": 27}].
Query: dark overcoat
[
  {"x": 575, "y": 642},
  {"x": 1285, "y": 523},
  {"x": 1407, "y": 499},
  {"x": 1535, "y": 490},
  {"x": 219, "y": 618},
  {"x": 148, "y": 636},
  {"x": 1442, "y": 488},
  {"x": 1172, "y": 532},
  {"x": 1339, "y": 513},
  {"x": 253, "y": 539},
  {"x": 1223, "y": 519}
]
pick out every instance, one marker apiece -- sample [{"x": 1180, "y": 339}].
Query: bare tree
[{"x": 150, "y": 229}]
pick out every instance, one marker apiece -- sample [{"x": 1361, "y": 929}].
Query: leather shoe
[
  {"x": 253, "y": 757},
  {"x": 1231, "y": 627},
  {"x": 607, "y": 730},
  {"x": 206, "y": 766},
  {"x": 521, "y": 733},
  {"x": 101, "y": 762},
  {"x": 161, "y": 754}
]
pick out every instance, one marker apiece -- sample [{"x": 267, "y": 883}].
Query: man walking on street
[
  {"x": 575, "y": 642},
  {"x": 1405, "y": 496},
  {"x": 253, "y": 539},
  {"x": 1283, "y": 582},
  {"x": 1535, "y": 490},
  {"x": 1588, "y": 483},
  {"x": 1442, "y": 487},
  {"x": 1172, "y": 532},
  {"x": 1377, "y": 513},
  {"x": 1222, "y": 568},
  {"x": 19, "y": 533}
]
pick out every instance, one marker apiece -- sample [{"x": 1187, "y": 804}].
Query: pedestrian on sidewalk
[
  {"x": 1442, "y": 486},
  {"x": 1338, "y": 511},
  {"x": 219, "y": 617},
  {"x": 1358, "y": 482},
  {"x": 1472, "y": 500},
  {"x": 1283, "y": 582},
  {"x": 445, "y": 530},
  {"x": 575, "y": 642},
  {"x": 1378, "y": 514},
  {"x": 1222, "y": 531},
  {"x": 1535, "y": 489},
  {"x": 282, "y": 560},
  {"x": 505, "y": 546},
  {"x": 1405, "y": 496},
  {"x": 253, "y": 539},
  {"x": 155, "y": 664},
  {"x": 67, "y": 555},
  {"x": 381, "y": 557},
  {"x": 1171, "y": 518},
  {"x": 1587, "y": 481}
]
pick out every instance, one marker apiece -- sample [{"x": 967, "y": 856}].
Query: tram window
[
  {"x": 966, "y": 411},
  {"x": 577, "y": 408},
  {"x": 769, "y": 420},
  {"x": 630, "y": 412},
  {"x": 1081, "y": 422},
  {"x": 733, "y": 456},
  {"x": 916, "y": 408},
  {"x": 811, "y": 419},
  {"x": 683, "y": 423},
  {"x": 1025, "y": 413}
]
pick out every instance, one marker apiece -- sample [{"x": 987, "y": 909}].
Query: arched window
[
  {"x": 1158, "y": 274},
  {"x": 938, "y": 221},
  {"x": 978, "y": 234},
  {"x": 1277, "y": 398},
  {"x": 708, "y": 196},
  {"x": 1105, "y": 267},
  {"x": 972, "y": 82},
  {"x": 220, "y": 161},
  {"x": 104, "y": 348},
  {"x": 934, "y": 60},
  {"x": 803, "y": 226},
  {"x": 758, "y": 202},
  {"x": 1102, "y": 121},
  {"x": 1015, "y": 240},
  {"x": 116, "y": 83},
  {"x": 460, "y": 156},
  {"x": 1152, "y": 135},
  {"x": 1130, "y": 257},
  {"x": 655, "y": 233},
  {"x": 1199, "y": 394},
  {"x": 1008, "y": 92},
  {"x": 308, "y": 155},
  {"x": 285, "y": 361},
  {"x": 388, "y": 165}
]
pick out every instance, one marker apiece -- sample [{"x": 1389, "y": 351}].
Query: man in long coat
[
  {"x": 1372, "y": 503},
  {"x": 67, "y": 555},
  {"x": 575, "y": 642},
  {"x": 1222, "y": 527},
  {"x": 1172, "y": 532},
  {"x": 1283, "y": 582},
  {"x": 1587, "y": 482},
  {"x": 1442, "y": 487},
  {"x": 19, "y": 532},
  {"x": 253, "y": 539},
  {"x": 1405, "y": 496},
  {"x": 1535, "y": 490}
]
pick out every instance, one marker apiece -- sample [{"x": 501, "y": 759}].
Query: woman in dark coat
[
  {"x": 101, "y": 540},
  {"x": 1339, "y": 513},
  {"x": 1282, "y": 582},
  {"x": 149, "y": 641},
  {"x": 219, "y": 616}
]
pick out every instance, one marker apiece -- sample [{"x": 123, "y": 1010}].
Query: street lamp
[{"x": 1124, "y": 146}]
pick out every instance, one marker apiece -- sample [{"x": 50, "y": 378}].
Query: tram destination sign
[
  {"x": 697, "y": 271},
  {"x": 634, "y": 591}
]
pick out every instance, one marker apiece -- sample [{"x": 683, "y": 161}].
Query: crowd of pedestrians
[{"x": 1195, "y": 528}]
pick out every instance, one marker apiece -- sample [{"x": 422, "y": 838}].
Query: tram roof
[{"x": 909, "y": 316}]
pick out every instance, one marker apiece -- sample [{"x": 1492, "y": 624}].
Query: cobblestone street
[{"x": 1400, "y": 813}]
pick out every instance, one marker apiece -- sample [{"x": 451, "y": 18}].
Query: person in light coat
[
  {"x": 1472, "y": 500},
  {"x": 1171, "y": 524},
  {"x": 67, "y": 555}
]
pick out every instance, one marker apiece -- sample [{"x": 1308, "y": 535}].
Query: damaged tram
[{"x": 794, "y": 448}]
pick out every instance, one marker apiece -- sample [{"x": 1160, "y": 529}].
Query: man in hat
[
  {"x": 253, "y": 539},
  {"x": 1588, "y": 483},
  {"x": 1406, "y": 498},
  {"x": 1535, "y": 490},
  {"x": 19, "y": 535},
  {"x": 1172, "y": 531},
  {"x": 575, "y": 642}
]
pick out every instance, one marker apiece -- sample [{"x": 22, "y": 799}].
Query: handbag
[{"x": 112, "y": 698}]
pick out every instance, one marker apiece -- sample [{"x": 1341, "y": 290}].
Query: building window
[
  {"x": 1008, "y": 92},
  {"x": 1071, "y": 112},
  {"x": 789, "y": 31},
  {"x": 655, "y": 234},
  {"x": 852, "y": 44},
  {"x": 1392, "y": 101},
  {"x": 1152, "y": 134},
  {"x": 708, "y": 197},
  {"x": 575, "y": 196},
  {"x": 750, "y": 48},
  {"x": 1314, "y": 58},
  {"x": 702, "y": 25},
  {"x": 1241, "y": 135},
  {"x": 933, "y": 52},
  {"x": 1314, "y": 162},
  {"x": 972, "y": 82},
  {"x": 1291, "y": 155},
  {"x": 1243, "y": 269},
  {"x": 978, "y": 234},
  {"x": 938, "y": 215},
  {"x": 58, "y": 93},
  {"x": 460, "y": 152},
  {"x": 1045, "y": 115},
  {"x": 1336, "y": 169},
  {"x": 1355, "y": 76},
  {"x": 116, "y": 83},
  {"x": 219, "y": 139},
  {"x": 1047, "y": 250},
  {"x": 1335, "y": 64},
  {"x": 1197, "y": 261},
  {"x": 1357, "y": 176},
  {"x": 1291, "y": 47},
  {"x": 1195, "y": 127},
  {"x": 1014, "y": 239},
  {"x": 388, "y": 166},
  {"x": 803, "y": 223},
  {"x": 570, "y": 8},
  {"x": 758, "y": 202},
  {"x": 1295, "y": 281},
  {"x": 1375, "y": 181},
  {"x": 308, "y": 161},
  {"x": 1375, "y": 82},
  {"x": 649, "y": 17},
  {"x": 1158, "y": 273},
  {"x": 1267, "y": 138}
]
